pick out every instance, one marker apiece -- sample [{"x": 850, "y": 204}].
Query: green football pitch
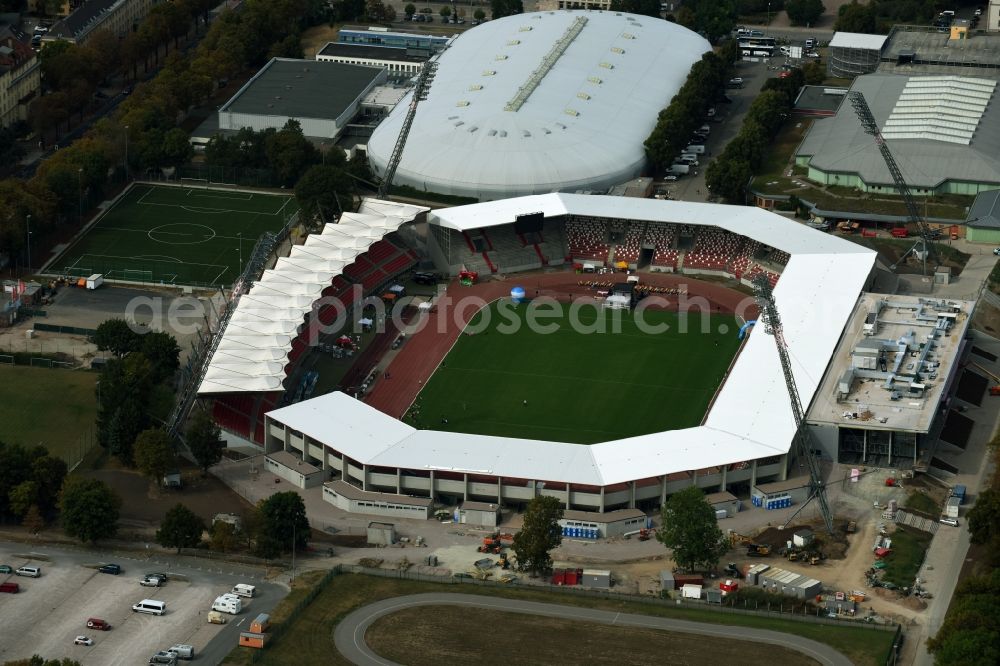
[
  {"x": 174, "y": 235},
  {"x": 580, "y": 386}
]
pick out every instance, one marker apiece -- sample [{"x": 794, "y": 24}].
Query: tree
[
  {"x": 33, "y": 520},
  {"x": 539, "y": 534},
  {"x": 642, "y": 7},
  {"x": 813, "y": 73},
  {"x": 283, "y": 518},
  {"x": 479, "y": 15},
  {"x": 501, "y": 8},
  {"x": 116, "y": 336},
  {"x": 163, "y": 353},
  {"x": 691, "y": 530},
  {"x": 856, "y": 17},
  {"x": 204, "y": 440},
  {"x": 728, "y": 179},
  {"x": 48, "y": 472},
  {"x": 89, "y": 509},
  {"x": 325, "y": 190},
  {"x": 445, "y": 12},
  {"x": 15, "y": 470},
  {"x": 713, "y": 18},
  {"x": 180, "y": 528},
  {"x": 983, "y": 519},
  {"x": 804, "y": 12},
  {"x": 224, "y": 537},
  {"x": 290, "y": 153},
  {"x": 23, "y": 497},
  {"x": 409, "y": 10},
  {"x": 154, "y": 453}
]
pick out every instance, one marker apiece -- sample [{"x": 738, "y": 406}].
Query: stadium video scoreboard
[{"x": 528, "y": 223}]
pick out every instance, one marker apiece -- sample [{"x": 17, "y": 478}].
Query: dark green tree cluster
[
  {"x": 691, "y": 531},
  {"x": 204, "y": 440},
  {"x": 280, "y": 519},
  {"x": 856, "y": 17},
  {"x": 30, "y": 481},
  {"x": 686, "y": 110},
  {"x": 729, "y": 174},
  {"x": 642, "y": 7},
  {"x": 539, "y": 534},
  {"x": 755, "y": 7},
  {"x": 711, "y": 18},
  {"x": 501, "y": 8},
  {"x": 971, "y": 630},
  {"x": 804, "y": 12},
  {"x": 286, "y": 151},
  {"x": 89, "y": 509},
  {"x": 181, "y": 528},
  {"x": 130, "y": 383},
  {"x": 37, "y": 660}
]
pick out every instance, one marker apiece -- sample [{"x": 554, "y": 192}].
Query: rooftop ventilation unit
[{"x": 595, "y": 79}]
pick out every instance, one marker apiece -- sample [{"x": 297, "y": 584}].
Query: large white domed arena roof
[{"x": 541, "y": 102}]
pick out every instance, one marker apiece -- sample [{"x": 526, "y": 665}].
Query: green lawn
[
  {"x": 580, "y": 387},
  {"x": 309, "y": 639},
  {"x": 185, "y": 236},
  {"x": 903, "y": 563},
  {"x": 51, "y": 407}
]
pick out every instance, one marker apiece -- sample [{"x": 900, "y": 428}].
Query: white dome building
[{"x": 541, "y": 102}]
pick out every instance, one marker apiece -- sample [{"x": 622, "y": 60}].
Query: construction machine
[
  {"x": 504, "y": 563},
  {"x": 733, "y": 570},
  {"x": 491, "y": 544},
  {"x": 644, "y": 534},
  {"x": 792, "y": 556},
  {"x": 814, "y": 559},
  {"x": 758, "y": 550},
  {"x": 738, "y": 539}
]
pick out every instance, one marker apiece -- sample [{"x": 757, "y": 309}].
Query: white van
[
  {"x": 948, "y": 521},
  {"x": 29, "y": 570},
  {"x": 228, "y": 604},
  {"x": 244, "y": 590},
  {"x": 151, "y": 606}
]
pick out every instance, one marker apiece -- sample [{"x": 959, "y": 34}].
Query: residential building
[
  {"x": 120, "y": 17},
  {"x": 20, "y": 76}
]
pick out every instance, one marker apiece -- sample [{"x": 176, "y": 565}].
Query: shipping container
[
  {"x": 951, "y": 508},
  {"x": 959, "y": 492},
  {"x": 252, "y": 640},
  {"x": 260, "y": 624},
  {"x": 687, "y": 579},
  {"x": 596, "y": 578},
  {"x": 558, "y": 577},
  {"x": 691, "y": 591}
]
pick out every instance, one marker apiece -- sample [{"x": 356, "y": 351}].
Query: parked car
[
  {"x": 670, "y": 177},
  {"x": 151, "y": 581},
  {"x": 98, "y": 623},
  {"x": 157, "y": 574},
  {"x": 113, "y": 569},
  {"x": 996, "y": 251},
  {"x": 812, "y": 54},
  {"x": 164, "y": 657},
  {"x": 6, "y": 569},
  {"x": 29, "y": 570},
  {"x": 83, "y": 640}
]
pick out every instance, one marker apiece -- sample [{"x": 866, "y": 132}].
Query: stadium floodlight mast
[
  {"x": 420, "y": 91},
  {"x": 802, "y": 442}
]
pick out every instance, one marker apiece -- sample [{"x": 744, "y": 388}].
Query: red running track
[{"x": 424, "y": 350}]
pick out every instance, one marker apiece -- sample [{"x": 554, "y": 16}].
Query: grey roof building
[
  {"x": 942, "y": 130},
  {"x": 322, "y": 96},
  {"x": 119, "y": 17}
]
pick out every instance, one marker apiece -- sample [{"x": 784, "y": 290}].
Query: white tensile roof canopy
[
  {"x": 253, "y": 352},
  {"x": 751, "y": 417}
]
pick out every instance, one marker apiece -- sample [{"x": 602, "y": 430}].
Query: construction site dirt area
[{"x": 431, "y": 635}]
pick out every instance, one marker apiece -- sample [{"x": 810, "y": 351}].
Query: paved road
[{"x": 349, "y": 635}]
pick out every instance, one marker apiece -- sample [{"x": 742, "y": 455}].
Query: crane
[
  {"x": 868, "y": 123},
  {"x": 803, "y": 440},
  {"x": 420, "y": 90}
]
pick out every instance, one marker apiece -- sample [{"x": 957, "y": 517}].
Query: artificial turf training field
[
  {"x": 173, "y": 235},
  {"x": 579, "y": 387}
]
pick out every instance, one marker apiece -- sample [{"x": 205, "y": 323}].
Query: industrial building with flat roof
[
  {"x": 881, "y": 397},
  {"x": 540, "y": 102},
  {"x": 397, "y": 61},
  {"x": 322, "y": 96},
  {"x": 943, "y": 131}
]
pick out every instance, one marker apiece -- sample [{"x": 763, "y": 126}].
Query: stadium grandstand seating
[
  {"x": 586, "y": 238},
  {"x": 661, "y": 237},
  {"x": 744, "y": 256},
  {"x": 628, "y": 250},
  {"x": 233, "y": 412},
  {"x": 714, "y": 249}
]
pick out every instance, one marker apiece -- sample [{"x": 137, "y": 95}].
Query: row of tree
[
  {"x": 970, "y": 633},
  {"x": 878, "y": 16},
  {"x": 268, "y": 529},
  {"x": 143, "y": 133},
  {"x": 728, "y": 176},
  {"x": 689, "y": 528},
  {"x": 687, "y": 109},
  {"x": 30, "y": 482}
]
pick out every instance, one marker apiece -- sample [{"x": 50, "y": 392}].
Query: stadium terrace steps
[
  {"x": 661, "y": 237},
  {"x": 586, "y": 238}
]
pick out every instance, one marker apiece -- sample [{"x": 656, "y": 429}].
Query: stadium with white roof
[
  {"x": 744, "y": 438},
  {"x": 540, "y": 102}
]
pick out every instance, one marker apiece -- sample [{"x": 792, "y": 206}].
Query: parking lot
[{"x": 50, "y": 611}]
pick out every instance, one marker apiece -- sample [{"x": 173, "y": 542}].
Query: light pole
[
  {"x": 239, "y": 241},
  {"x": 293, "y": 553},
  {"x": 126, "y": 153},
  {"x": 769, "y": 13},
  {"x": 79, "y": 173},
  {"x": 27, "y": 227}
]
